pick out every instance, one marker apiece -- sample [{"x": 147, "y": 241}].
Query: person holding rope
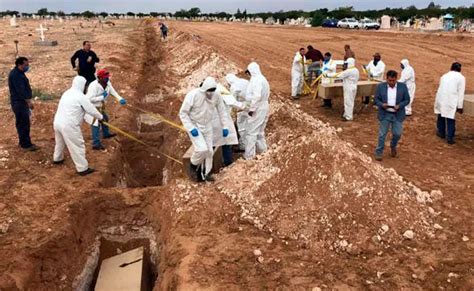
[
  {"x": 196, "y": 114},
  {"x": 97, "y": 93},
  {"x": 67, "y": 126}
]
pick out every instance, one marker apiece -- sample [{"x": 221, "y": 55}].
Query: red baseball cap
[{"x": 103, "y": 74}]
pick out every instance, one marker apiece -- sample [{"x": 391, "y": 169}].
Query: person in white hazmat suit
[
  {"x": 98, "y": 92},
  {"x": 258, "y": 92},
  {"x": 196, "y": 114},
  {"x": 408, "y": 78},
  {"x": 329, "y": 66},
  {"x": 297, "y": 73},
  {"x": 449, "y": 100},
  {"x": 72, "y": 107},
  {"x": 238, "y": 88},
  {"x": 350, "y": 78},
  {"x": 229, "y": 102}
]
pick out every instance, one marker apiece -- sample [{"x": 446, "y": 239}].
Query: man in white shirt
[
  {"x": 449, "y": 100},
  {"x": 297, "y": 73},
  {"x": 375, "y": 71},
  {"x": 391, "y": 98},
  {"x": 97, "y": 93}
]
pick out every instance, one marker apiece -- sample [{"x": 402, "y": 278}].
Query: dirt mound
[
  {"x": 194, "y": 61},
  {"x": 315, "y": 188}
]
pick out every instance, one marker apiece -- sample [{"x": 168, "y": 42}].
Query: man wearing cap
[{"x": 97, "y": 93}]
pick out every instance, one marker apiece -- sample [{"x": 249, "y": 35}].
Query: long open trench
[{"x": 125, "y": 213}]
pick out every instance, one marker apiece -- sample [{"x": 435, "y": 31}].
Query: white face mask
[{"x": 209, "y": 95}]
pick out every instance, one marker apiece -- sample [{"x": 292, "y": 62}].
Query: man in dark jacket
[
  {"x": 391, "y": 98},
  {"x": 20, "y": 99},
  {"x": 87, "y": 60},
  {"x": 316, "y": 58}
]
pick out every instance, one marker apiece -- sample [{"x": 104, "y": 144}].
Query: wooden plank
[
  {"x": 330, "y": 91},
  {"x": 469, "y": 105},
  {"x": 124, "y": 272}
]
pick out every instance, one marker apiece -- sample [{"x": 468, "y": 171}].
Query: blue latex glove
[
  {"x": 123, "y": 101},
  {"x": 194, "y": 132},
  {"x": 105, "y": 94},
  {"x": 225, "y": 132}
]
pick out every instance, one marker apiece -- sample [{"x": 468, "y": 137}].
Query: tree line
[{"x": 318, "y": 16}]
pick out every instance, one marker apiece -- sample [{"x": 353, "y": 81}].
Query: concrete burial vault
[{"x": 124, "y": 272}]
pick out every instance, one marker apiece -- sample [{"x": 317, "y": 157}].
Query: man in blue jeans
[{"x": 391, "y": 98}]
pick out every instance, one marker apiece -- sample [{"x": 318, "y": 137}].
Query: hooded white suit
[
  {"x": 258, "y": 92},
  {"x": 408, "y": 77},
  {"x": 450, "y": 94},
  {"x": 350, "y": 78},
  {"x": 67, "y": 123},
  {"x": 297, "y": 76},
  {"x": 238, "y": 88},
  {"x": 197, "y": 113}
]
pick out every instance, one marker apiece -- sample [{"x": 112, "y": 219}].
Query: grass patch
[{"x": 43, "y": 95}]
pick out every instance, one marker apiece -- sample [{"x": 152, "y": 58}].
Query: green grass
[{"x": 43, "y": 95}]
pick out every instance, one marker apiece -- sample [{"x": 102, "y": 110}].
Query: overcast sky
[{"x": 121, "y": 6}]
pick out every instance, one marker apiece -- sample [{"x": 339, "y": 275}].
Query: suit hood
[
  {"x": 231, "y": 79},
  {"x": 79, "y": 83},
  {"x": 254, "y": 69},
  {"x": 405, "y": 63},
  {"x": 208, "y": 83},
  {"x": 350, "y": 62}
]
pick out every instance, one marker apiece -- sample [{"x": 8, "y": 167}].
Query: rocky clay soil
[{"x": 314, "y": 212}]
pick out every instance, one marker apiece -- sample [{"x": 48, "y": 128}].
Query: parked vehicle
[
  {"x": 368, "y": 24},
  {"x": 348, "y": 23},
  {"x": 330, "y": 23}
]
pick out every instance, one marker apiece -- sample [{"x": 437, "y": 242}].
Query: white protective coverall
[
  {"x": 376, "y": 72},
  {"x": 196, "y": 113},
  {"x": 95, "y": 95},
  {"x": 350, "y": 78},
  {"x": 228, "y": 101},
  {"x": 450, "y": 95},
  {"x": 258, "y": 92},
  {"x": 408, "y": 77},
  {"x": 67, "y": 124},
  {"x": 328, "y": 68},
  {"x": 297, "y": 77},
  {"x": 238, "y": 88}
]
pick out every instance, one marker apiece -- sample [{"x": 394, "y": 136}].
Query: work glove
[
  {"x": 105, "y": 94},
  {"x": 123, "y": 101},
  {"x": 225, "y": 132},
  {"x": 194, "y": 132},
  {"x": 460, "y": 110}
]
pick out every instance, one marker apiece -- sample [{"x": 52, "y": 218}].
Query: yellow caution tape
[
  {"x": 159, "y": 117},
  {"x": 116, "y": 129}
]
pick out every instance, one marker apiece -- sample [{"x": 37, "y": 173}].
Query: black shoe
[
  {"x": 440, "y": 135},
  {"x": 86, "y": 172},
  {"x": 192, "y": 172},
  {"x": 451, "y": 142},
  {"x": 110, "y": 136},
  {"x": 98, "y": 148},
  {"x": 58, "y": 162},
  {"x": 32, "y": 148},
  {"x": 209, "y": 178}
]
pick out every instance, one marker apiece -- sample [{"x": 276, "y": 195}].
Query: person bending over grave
[
  {"x": 87, "y": 60},
  {"x": 98, "y": 92}
]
